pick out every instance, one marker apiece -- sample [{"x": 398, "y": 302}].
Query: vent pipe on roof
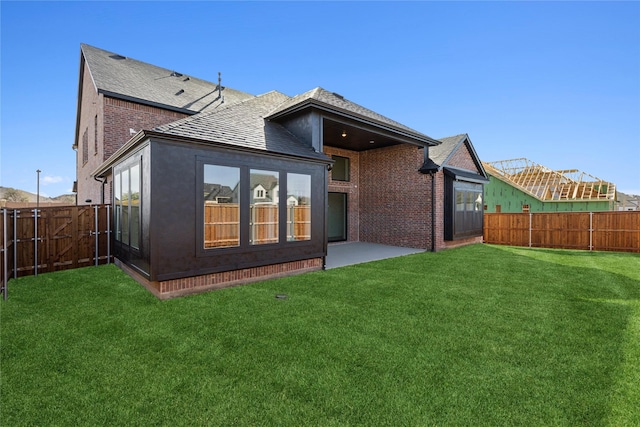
[{"x": 219, "y": 85}]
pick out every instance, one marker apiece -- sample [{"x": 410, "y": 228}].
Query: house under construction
[{"x": 521, "y": 185}]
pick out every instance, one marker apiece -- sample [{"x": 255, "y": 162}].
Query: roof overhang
[{"x": 356, "y": 120}]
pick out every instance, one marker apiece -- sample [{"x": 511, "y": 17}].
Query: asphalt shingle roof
[
  {"x": 333, "y": 101},
  {"x": 127, "y": 78},
  {"x": 440, "y": 153},
  {"x": 243, "y": 125}
]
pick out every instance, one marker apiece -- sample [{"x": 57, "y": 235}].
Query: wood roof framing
[{"x": 548, "y": 185}]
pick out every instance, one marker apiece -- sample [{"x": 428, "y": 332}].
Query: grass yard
[{"x": 480, "y": 335}]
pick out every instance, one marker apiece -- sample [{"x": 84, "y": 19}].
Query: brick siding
[
  {"x": 463, "y": 159},
  {"x": 120, "y": 116},
  {"x": 207, "y": 282},
  {"x": 395, "y": 198}
]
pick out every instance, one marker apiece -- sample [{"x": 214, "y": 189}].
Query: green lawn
[{"x": 481, "y": 335}]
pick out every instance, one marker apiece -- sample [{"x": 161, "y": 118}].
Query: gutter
[{"x": 103, "y": 182}]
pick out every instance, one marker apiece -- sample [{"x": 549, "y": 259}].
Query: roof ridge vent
[
  {"x": 118, "y": 57},
  {"x": 337, "y": 95}
]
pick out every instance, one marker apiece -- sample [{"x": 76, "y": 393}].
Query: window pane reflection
[
  {"x": 264, "y": 187},
  {"x": 298, "y": 207},
  {"x": 221, "y": 207}
]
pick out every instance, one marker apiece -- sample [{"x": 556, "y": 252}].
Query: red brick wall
[
  {"x": 389, "y": 201},
  {"x": 90, "y": 106},
  {"x": 120, "y": 116},
  {"x": 189, "y": 285},
  {"x": 395, "y": 199},
  {"x": 463, "y": 159}
]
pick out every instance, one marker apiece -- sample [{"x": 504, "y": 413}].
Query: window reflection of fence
[
  {"x": 298, "y": 222},
  {"x": 264, "y": 224},
  {"x": 222, "y": 224}
]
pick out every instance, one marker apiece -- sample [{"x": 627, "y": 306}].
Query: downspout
[
  {"x": 433, "y": 211},
  {"x": 431, "y": 168},
  {"x": 103, "y": 182}
]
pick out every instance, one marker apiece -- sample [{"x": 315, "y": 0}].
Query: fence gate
[{"x": 53, "y": 238}]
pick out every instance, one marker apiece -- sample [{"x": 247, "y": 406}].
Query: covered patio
[{"x": 343, "y": 254}]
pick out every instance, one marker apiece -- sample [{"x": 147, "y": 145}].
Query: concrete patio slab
[{"x": 341, "y": 254}]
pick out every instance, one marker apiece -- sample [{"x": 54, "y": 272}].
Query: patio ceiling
[{"x": 358, "y": 136}]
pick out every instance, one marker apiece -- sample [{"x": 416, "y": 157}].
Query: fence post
[
  {"x": 15, "y": 243},
  {"x": 5, "y": 258},
  {"x": 95, "y": 221},
  {"x": 530, "y": 226},
  {"x": 35, "y": 239},
  {"x": 108, "y": 234},
  {"x": 590, "y": 231}
]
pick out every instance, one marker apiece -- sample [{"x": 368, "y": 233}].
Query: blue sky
[{"x": 555, "y": 82}]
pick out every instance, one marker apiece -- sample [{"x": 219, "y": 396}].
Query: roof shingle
[
  {"x": 333, "y": 101},
  {"x": 127, "y": 78},
  {"x": 243, "y": 125}
]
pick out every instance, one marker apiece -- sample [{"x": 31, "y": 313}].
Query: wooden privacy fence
[
  {"x": 594, "y": 231},
  {"x": 53, "y": 238}
]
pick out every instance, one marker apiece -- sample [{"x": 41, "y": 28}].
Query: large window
[
  {"x": 221, "y": 206},
  {"x": 263, "y": 208},
  {"x": 298, "y": 207},
  {"x": 126, "y": 183},
  {"x": 245, "y": 207}
]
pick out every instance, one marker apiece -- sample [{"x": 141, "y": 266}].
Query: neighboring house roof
[
  {"x": 214, "y": 191},
  {"x": 268, "y": 182},
  {"x": 243, "y": 125},
  {"x": 118, "y": 76},
  {"x": 335, "y": 103},
  {"x": 548, "y": 185}
]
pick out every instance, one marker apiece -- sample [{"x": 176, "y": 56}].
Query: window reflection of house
[{"x": 264, "y": 188}]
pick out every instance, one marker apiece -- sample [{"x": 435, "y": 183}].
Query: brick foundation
[{"x": 190, "y": 285}]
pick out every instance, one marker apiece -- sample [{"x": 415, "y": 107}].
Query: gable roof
[
  {"x": 268, "y": 182},
  {"x": 243, "y": 125},
  {"x": 121, "y": 77},
  {"x": 441, "y": 154},
  {"x": 335, "y": 103}
]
